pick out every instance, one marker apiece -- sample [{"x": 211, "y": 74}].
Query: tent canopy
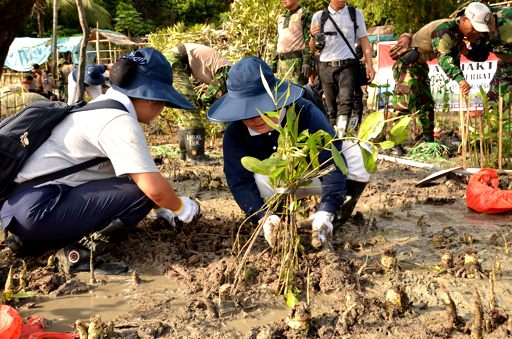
[
  {"x": 381, "y": 33},
  {"x": 24, "y": 52},
  {"x": 114, "y": 37}
]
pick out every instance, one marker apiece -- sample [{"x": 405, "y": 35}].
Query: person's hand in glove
[
  {"x": 322, "y": 229},
  {"x": 188, "y": 211},
  {"x": 270, "y": 226},
  {"x": 306, "y": 70},
  {"x": 167, "y": 215}
]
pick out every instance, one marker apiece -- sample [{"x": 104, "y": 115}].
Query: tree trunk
[
  {"x": 14, "y": 14},
  {"x": 54, "y": 40},
  {"x": 83, "y": 50},
  {"x": 38, "y": 10}
]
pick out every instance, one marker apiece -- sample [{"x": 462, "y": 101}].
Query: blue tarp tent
[{"x": 24, "y": 52}]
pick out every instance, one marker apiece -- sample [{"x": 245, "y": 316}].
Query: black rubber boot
[
  {"x": 354, "y": 191},
  {"x": 76, "y": 257},
  {"x": 24, "y": 248}
]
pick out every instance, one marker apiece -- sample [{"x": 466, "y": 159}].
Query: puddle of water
[
  {"x": 110, "y": 300},
  {"x": 272, "y": 313}
]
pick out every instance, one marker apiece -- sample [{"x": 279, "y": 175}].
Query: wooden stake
[
  {"x": 462, "y": 130},
  {"x": 500, "y": 133}
]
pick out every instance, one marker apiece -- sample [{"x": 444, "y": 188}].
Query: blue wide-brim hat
[
  {"x": 152, "y": 79},
  {"x": 93, "y": 75},
  {"x": 247, "y": 96}
]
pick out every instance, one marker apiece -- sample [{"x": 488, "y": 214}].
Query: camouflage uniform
[
  {"x": 412, "y": 81},
  {"x": 292, "y": 47},
  {"x": 183, "y": 84},
  {"x": 182, "y": 73},
  {"x": 217, "y": 88},
  {"x": 500, "y": 43},
  {"x": 413, "y": 93}
]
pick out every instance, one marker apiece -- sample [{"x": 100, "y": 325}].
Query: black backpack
[
  {"x": 325, "y": 16},
  {"x": 22, "y": 133}
]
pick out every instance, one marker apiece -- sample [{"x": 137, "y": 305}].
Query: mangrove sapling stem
[
  {"x": 92, "y": 246},
  {"x": 509, "y": 127},
  {"x": 451, "y": 309},
  {"x": 462, "y": 129},
  {"x": 475, "y": 140},
  {"x": 466, "y": 132},
  {"x": 481, "y": 130},
  {"x": 243, "y": 254},
  {"x": 492, "y": 297},
  {"x": 476, "y": 328},
  {"x": 500, "y": 132}
]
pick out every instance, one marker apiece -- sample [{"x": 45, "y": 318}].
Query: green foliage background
[{"x": 254, "y": 22}]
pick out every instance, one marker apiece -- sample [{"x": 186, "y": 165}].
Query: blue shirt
[{"x": 238, "y": 143}]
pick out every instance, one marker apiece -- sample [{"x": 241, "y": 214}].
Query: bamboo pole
[
  {"x": 500, "y": 132},
  {"x": 462, "y": 130},
  {"x": 481, "y": 130},
  {"x": 98, "y": 61}
]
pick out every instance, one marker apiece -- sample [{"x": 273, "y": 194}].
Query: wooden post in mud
[
  {"x": 462, "y": 130},
  {"x": 500, "y": 132}
]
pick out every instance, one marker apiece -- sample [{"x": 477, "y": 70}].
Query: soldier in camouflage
[
  {"x": 500, "y": 43},
  {"x": 443, "y": 39},
  {"x": 292, "y": 58},
  {"x": 207, "y": 66}
]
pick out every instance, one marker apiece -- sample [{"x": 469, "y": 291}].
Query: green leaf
[
  {"x": 270, "y": 122},
  {"x": 291, "y": 299},
  {"x": 338, "y": 160},
  {"x": 313, "y": 151},
  {"x": 265, "y": 84},
  {"x": 386, "y": 144},
  {"x": 370, "y": 158},
  {"x": 256, "y": 166},
  {"x": 371, "y": 126},
  {"x": 276, "y": 172},
  {"x": 400, "y": 131},
  {"x": 21, "y": 295}
]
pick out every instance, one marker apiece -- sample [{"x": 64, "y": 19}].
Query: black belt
[
  {"x": 183, "y": 54},
  {"x": 337, "y": 63},
  {"x": 290, "y": 55}
]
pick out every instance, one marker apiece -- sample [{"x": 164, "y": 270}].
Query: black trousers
[{"x": 339, "y": 84}]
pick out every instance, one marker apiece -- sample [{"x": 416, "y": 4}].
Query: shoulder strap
[
  {"x": 109, "y": 103},
  {"x": 343, "y": 36},
  {"x": 79, "y": 107},
  {"x": 323, "y": 19},
  {"x": 352, "y": 12}
]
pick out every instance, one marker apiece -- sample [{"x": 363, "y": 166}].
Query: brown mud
[{"x": 383, "y": 279}]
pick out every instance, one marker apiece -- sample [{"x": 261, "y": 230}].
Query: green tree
[
  {"x": 404, "y": 15},
  {"x": 194, "y": 11},
  {"x": 41, "y": 17},
  {"x": 129, "y": 20}
]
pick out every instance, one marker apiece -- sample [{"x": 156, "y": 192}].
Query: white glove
[
  {"x": 322, "y": 222},
  {"x": 270, "y": 229},
  {"x": 167, "y": 215},
  {"x": 189, "y": 210}
]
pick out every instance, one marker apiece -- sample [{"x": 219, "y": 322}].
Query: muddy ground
[{"x": 186, "y": 272}]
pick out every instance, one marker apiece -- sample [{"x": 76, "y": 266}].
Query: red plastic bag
[
  {"x": 12, "y": 327},
  {"x": 483, "y": 194},
  {"x": 11, "y": 323}
]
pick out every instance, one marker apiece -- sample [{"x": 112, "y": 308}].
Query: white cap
[{"x": 479, "y": 15}]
